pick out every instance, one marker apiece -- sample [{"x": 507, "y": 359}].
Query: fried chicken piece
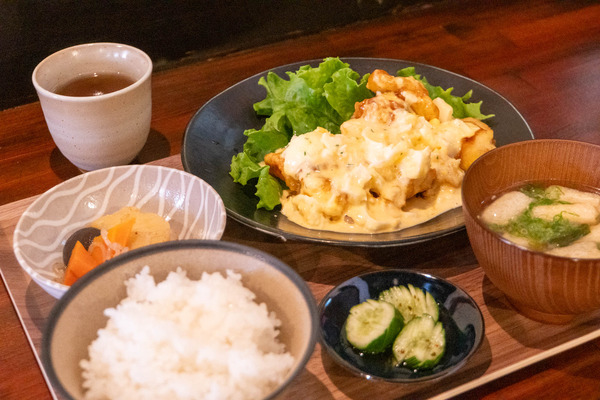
[
  {"x": 275, "y": 162},
  {"x": 379, "y": 108},
  {"x": 478, "y": 144},
  {"x": 407, "y": 88},
  {"x": 421, "y": 185}
]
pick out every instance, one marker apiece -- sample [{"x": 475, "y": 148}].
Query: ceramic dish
[
  {"x": 459, "y": 314},
  {"x": 192, "y": 207},
  {"x": 75, "y": 320},
  {"x": 215, "y": 134}
]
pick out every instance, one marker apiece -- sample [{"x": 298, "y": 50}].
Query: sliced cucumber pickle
[
  {"x": 373, "y": 325},
  {"x": 410, "y": 301},
  {"x": 421, "y": 343}
]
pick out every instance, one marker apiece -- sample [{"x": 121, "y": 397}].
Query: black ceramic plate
[
  {"x": 215, "y": 134},
  {"x": 459, "y": 314}
]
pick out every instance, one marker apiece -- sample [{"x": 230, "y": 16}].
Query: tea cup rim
[{"x": 49, "y": 93}]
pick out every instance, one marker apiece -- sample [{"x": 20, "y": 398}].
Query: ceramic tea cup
[{"x": 97, "y": 102}]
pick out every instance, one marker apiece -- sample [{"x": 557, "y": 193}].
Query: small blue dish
[{"x": 459, "y": 314}]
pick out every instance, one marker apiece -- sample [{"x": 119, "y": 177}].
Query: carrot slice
[
  {"x": 121, "y": 233},
  {"x": 99, "y": 250},
  {"x": 80, "y": 263}
]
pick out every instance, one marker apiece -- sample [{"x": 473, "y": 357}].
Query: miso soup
[{"x": 556, "y": 219}]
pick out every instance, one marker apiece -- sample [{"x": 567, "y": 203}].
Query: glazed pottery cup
[
  {"x": 97, "y": 131},
  {"x": 541, "y": 286}
]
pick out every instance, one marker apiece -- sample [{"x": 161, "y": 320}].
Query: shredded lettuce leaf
[{"x": 309, "y": 98}]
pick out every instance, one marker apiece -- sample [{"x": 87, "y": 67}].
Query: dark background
[{"x": 171, "y": 32}]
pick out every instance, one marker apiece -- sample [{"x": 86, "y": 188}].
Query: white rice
[{"x": 184, "y": 339}]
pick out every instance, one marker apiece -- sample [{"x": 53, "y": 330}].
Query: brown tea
[{"x": 94, "y": 85}]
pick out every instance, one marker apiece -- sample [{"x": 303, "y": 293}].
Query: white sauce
[{"x": 366, "y": 178}]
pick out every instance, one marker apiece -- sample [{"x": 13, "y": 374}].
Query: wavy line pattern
[{"x": 192, "y": 207}]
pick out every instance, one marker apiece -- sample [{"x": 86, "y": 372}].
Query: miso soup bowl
[{"x": 542, "y": 287}]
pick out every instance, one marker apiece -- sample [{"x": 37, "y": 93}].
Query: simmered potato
[{"x": 149, "y": 228}]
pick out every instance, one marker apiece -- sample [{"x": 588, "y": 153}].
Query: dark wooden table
[{"x": 541, "y": 55}]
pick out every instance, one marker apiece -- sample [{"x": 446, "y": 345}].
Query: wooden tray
[{"x": 511, "y": 340}]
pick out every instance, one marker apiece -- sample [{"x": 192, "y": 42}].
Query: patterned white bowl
[{"x": 192, "y": 207}]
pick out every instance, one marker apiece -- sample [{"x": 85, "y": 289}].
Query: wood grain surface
[
  {"x": 540, "y": 55},
  {"x": 511, "y": 340}
]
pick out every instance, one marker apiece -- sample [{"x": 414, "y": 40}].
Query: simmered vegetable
[
  {"x": 103, "y": 248},
  {"x": 108, "y": 236},
  {"x": 84, "y": 235},
  {"x": 80, "y": 263}
]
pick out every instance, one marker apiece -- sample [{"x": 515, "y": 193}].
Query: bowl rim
[
  {"x": 479, "y": 339},
  {"x": 469, "y": 214},
  {"x": 82, "y": 283},
  {"x": 57, "y": 286},
  {"x": 92, "y": 46}
]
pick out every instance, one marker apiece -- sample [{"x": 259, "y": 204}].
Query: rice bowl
[
  {"x": 182, "y": 338},
  {"x": 277, "y": 315}
]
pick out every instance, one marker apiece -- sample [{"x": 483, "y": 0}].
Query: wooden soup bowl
[{"x": 542, "y": 287}]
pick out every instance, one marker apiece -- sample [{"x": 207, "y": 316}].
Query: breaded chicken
[
  {"x": 407, "y": 88},
  {"x": 275, "y": 162},
  {"x": 478, "y": 144}
]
